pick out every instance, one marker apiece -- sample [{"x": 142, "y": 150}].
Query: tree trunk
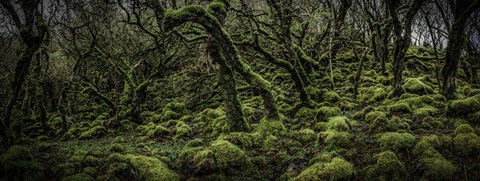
[{"x": 452, "y": 58}]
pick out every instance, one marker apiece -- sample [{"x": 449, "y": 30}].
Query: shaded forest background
[{"x": 240, "y": 89}]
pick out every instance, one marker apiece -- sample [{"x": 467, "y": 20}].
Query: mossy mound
[
  {"x": 416, "y": 86},
  {"x": 18, "y": 164},
  {"x": 387, "y": 167},
  {"x": 400, "y": 107},
  {"x": 268, "y": 126},
  {"x": 181, "y": 130},
  {"x": 338, "y": 123},
  {"x": 94, "y": 132},
  {"x": 467, "y": 144},
  {"x": 325, "y": 112},
  {"x": 305, "y": 136},
  {"x": 336, "y": 169},
  {"x": 79, "y": 177},
  {"x": 374, "y": 115},
  {"x": 463, "y": 129},
  {"x": 220, "y": 156},
  {"x": 143, "y": 168},
  {"x": 242, "y": 139},
  {"x": 464, "y": 107},
  {"x": 335, "y": 139},
  {"x": 439, "y": 168},
  {"x": 331, "y": 97},
  {"x": 425, "y": 112},
  {"x": 396, "y": 141}
]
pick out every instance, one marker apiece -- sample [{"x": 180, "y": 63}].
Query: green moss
[
  {"x": 387, "y": 167},
  {"x": 18, "y": 163},
  {"x": 400, "y": 107},
  {"x": 305, "y": 112},
  {"x": 416, "y": 86},
  {"x": 378, "y": 125},
  {"x": 169, "y": 115},
  {"x": 337, "y": 169},
  {"x": 425, "y": 112},
  {"x": 464, "y": 128},
  {"x": 220, "y": 156},
  {"x": 374, "y": 115},
  {"x": 267, "y": 126},
  {"x": 116, "y": 148},
  {"x": 305, "y": 136},
  {"x": 182, "y": 129},
  {"x": 466, "y": 144},
  {"x": 94, "y": 132},
  {"x": 396, "y": 141},
  {"x": 119, "y": 139},
  {"x": 335, "y": 139},
  {"x": 242, "y": 139},
  {"x": 331, "y": 97},
  {"x": 79, "y": 177},
  {"x": 151, "y": 169},
  {"x": 157, "y": 131},
  {"x": 338, "y": 123},
  {"x": 463, "y": 107},
  {"x": 195, "y": 142},
  {"x": 326, "y": 112},
  {"x": 439, "y": 168}
]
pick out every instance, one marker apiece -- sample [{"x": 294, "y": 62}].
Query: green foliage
[
  {"x": 337, "y": 169},
  {"x": 401, "y": 107},
  {"x": 467, "y": 144},
  {"x": 464, "y": 107}
]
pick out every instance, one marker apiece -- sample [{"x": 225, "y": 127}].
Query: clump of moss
[
  {"x": 305, "y": 112},
  {"x": 338, "y": 123},
  {"x": 396, "y": 141},
  {"x": 387, "y": 167},
  {"x": 439, "y": 168},
  {"x": 464, "y": 106},
  {"x": 463, "y": 129},
  {"x": 119, "y": 139},
  {"x": 425, "y": 112},
  {"x": 268, "y": 126},
  {"x": 337, "y": 169},
  {"x": 152, "y": 130},
  {"x": 195, "y": 142},
  {"x": 416, "y": 86},
  {"x": 331, "y": 96},
  {"x": 466, "y": 144},
  {"x": 305, "y": 136},
  {"x": 400, "y": 107},
  {"x": 181, "y": 129},
  {"x": 143, "y": 167},
  {"x": 78, "y": 177},
  {"x": 94, "y": 132},
  {"x": 374, "y": 115},
  {"x": 18, "y": 163},
  {"x": 335, "y": 139},
  {"x": 326, "y": 112},
  {"x": 242, "y": 139},
  {"x": 221, "y": 155},
  {"x": 117, "y": 148}
]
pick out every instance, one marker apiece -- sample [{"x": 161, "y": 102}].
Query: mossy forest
[{"x": 239, "y": 90}]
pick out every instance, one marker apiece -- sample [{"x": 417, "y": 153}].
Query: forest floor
[{"x": 374, "y": 136}]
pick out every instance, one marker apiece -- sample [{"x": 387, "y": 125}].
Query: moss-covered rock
[
  {"x": 94, "y": 132},
  {"x": 181, "y": 130},
  {"x": 387, "y": 167},
  {"x": 242, "y": 139},
  {"x": 151, "y": 169},
  {"x": 78, "y": 177},
  {"x": 439, "y": 168},
  {"x": 337, "y": 169},
  {"x": 305, "y": 112},
  {"x": 400, "y": 107},
  {"x": 464, "y": 128},
  {"x": 425, "y": 112},
  {"x": 305, "y": 136},
  {"x": 374, "y": 115},
  {"x": 331, "y": 97},
  {"x": 464, "y": 107},
  {"x": 467, "y": 144},
  {"x": 396, "y": 141},
  {"x": 335, "y": 139},
  {"x": 416, "y": 86},
  {"x": 268, "y": 126},
  {"x": 326, "y": 112},
  {"x": 221, "y": 155},
  {"x": 18, "y": 164}
]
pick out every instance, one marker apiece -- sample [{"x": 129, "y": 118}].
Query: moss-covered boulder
[
  {"x": 416, "y": 86},
  {"x": 439, "y": 168},
  {"x": 18, "y": 164},
  {"x": 467, "y": 144},
  {"x": 396, "y": 141},
  {"x": 94, "y": 132},
  {"x": 400, "y": 107},
  {"x": 220, "y": 156},
  {"x": 463, "y": 107},
  {"x": 335, "y": 139},
  {"x": 336, "y": 169},
  {"x": 387, "y": 167},
  {"x": 144, "y": 167}
]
